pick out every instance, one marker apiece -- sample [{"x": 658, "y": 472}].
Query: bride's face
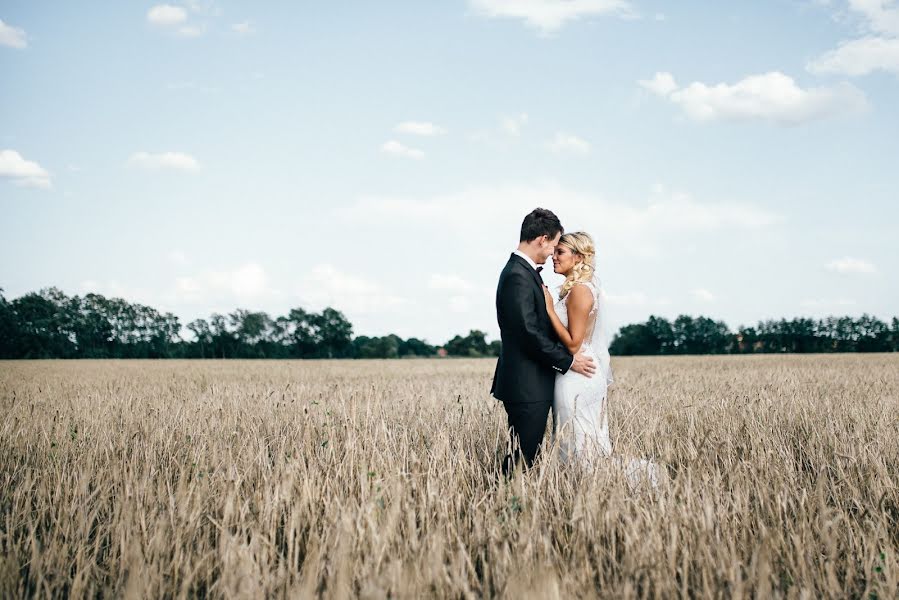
[{"x": 564, "y": 259}]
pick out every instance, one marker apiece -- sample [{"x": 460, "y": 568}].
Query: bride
[{"x": 580, "y": 404}]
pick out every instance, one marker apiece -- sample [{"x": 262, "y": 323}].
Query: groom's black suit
[{"x": 529, "y": 358}]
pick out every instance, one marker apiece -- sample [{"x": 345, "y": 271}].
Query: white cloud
[
  {"x": 513, "y": 124},
  {"x": 827, "y": 306},
  {"x": 87, "y": 286},
  {"x": 773, "y": 97},
  {"x": 627, "y": 299},
  {"x": 14, "y": 37},
  {"x": 178, "y": 161},
  {"x": 881, "y": 16},
  {"x": 631, "y": 228},
  {"x": 453, "y": 283},
  {"x": 459, "y": 304},
  {"x": 115, "y": 289},
  {"x": 245, "y": 28},
  {"x": 703, "y": 295},
  {"x": 203, "y": 7},
  {"x": 549, "y": 15},
  {"x": 879, "y": 50},
  {"x": 662, "y": 84},
  {"x": 166, "y": 15},
  {"x": 23, "y": 172},
  {"x": 859, "y": 57},
  {"x": 419, "y": 128},
  {"x": 175, "y": 19},
  {"x": 178, "y": 257},
  {"x": 510, "y": 128},
  {"x": 850, "y": 265},
  {"x": 635, "y": 299},
  {"x": 326, "y": 285},
  {"x": 680, "y": 212},
  {"x": 192, "y": 30},
  {"x": 245, "y": 282},
  {"x": 664, "y": 210},
  {"x": 565, "y": 142},
  {"x": 188, "y": 285},
  {"x": 397, "y": 149}
]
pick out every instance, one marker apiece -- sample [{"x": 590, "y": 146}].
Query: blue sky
[{"x": 732, "y": 159}]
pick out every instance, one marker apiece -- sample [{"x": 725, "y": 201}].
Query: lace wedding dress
[{"x": 580, "y": 404}]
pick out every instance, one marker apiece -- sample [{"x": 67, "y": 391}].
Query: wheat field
[{"x": 379, "y": 479}]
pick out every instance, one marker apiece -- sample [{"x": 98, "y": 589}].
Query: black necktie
[{"x": 539, "y": 269}]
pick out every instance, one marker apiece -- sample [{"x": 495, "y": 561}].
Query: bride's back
[{"x": 562, "y": 311}]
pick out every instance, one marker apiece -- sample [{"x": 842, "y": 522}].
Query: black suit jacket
[{"x": 531, "y": 354}]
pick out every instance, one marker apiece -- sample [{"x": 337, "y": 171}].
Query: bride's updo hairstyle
[{"x": 581, "y": 244}]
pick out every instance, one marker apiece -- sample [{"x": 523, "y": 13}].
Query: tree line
[
  {"x": 701, "y": 335},
  {"x": 50, "y": 324}
]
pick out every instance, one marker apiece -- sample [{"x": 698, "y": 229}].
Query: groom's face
[{"x": 547, "y": 247}]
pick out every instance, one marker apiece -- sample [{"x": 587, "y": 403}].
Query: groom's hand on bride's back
[{"x": 583, "y": 364}]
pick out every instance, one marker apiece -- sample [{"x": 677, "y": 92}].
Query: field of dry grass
[{"x": 379, "y": 479}]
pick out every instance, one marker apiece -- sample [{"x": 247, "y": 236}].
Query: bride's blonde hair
[{"x": 582, "y": 245}]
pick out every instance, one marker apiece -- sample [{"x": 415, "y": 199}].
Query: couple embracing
[{"x": 554, "y": 352}]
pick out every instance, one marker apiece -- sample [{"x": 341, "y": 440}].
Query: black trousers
[{"x": 527, "y": 422}]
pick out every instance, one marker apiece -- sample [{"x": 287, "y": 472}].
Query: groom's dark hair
[{"x": 540, "y": 222}]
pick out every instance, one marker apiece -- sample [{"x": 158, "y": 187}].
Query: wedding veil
[{"x": 600, "y": 338}]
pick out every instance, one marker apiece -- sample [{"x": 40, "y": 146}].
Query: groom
[{"x": 531, "y": 354}]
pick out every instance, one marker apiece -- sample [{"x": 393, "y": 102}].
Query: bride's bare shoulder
[{"x": 580, "y": 295}]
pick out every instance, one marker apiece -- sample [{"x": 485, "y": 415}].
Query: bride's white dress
[{"x": 580, "y": 404}]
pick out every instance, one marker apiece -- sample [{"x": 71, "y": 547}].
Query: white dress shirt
[{"x": 527, "y": 258}]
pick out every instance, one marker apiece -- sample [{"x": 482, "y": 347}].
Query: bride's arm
[{"x": 579, "y": 302}]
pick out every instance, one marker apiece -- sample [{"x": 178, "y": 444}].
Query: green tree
[
  {"x": 333, "y": 334},
  {"x": 299, "y": 333},
  {"x": 662, "y": 334},
  {"x": 251, "y": 332},
  {"x": 92, "y": 327},
  {"x": 636, "y": 339},
  {"x": 377, "y": 347},
  {"x": 656, "y": 336},
  {"x": 202, "y": 337},
  {"x": 700, "y": 336},
  {"x": 474, "y": 344},
  {"x": 223, "y": 342},
  {"x": 10, "y": 334},
  {"x": 416, "y": 347},
  {"x": 873, "y": 334},
  {"x": 44, "y": 323}
]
